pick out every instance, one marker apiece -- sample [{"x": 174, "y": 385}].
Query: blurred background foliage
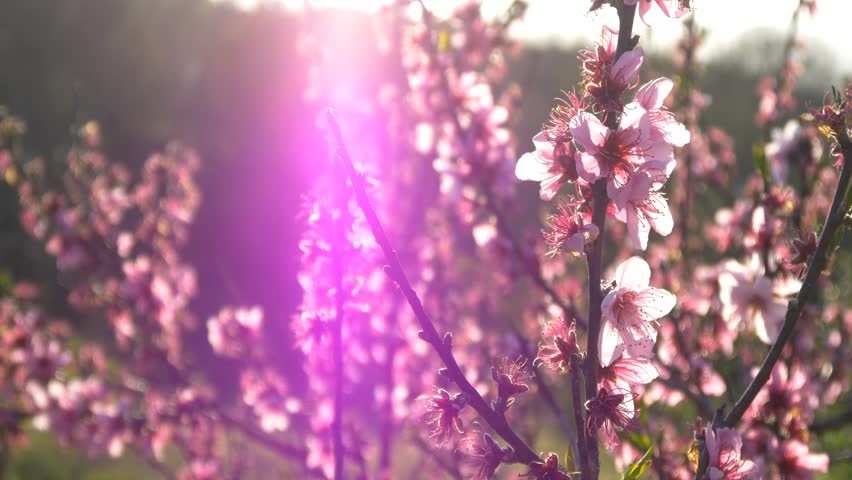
[{"x": 231, "y": 83}]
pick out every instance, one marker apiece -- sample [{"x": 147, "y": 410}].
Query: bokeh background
[{"x": 228, "y": 78}]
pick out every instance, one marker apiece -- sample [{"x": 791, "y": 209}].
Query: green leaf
[
  {"x": 761, "y": 164},
  {"x": 569, "y": 460},
  {"x": 636, "y": 469}
]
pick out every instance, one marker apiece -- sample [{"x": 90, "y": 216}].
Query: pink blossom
[
  {"x": 615, "y": 154},
  {"x": 233, "y": 330},
  {"x": 544, "y": 167},
  {"x": 754, "y": 300},
  {"x": 558, "y": 343},
  {"x": 623, "y": 372},
  {"x": 630, "y": 312},
  {"x": 724, "y": 446},
  {"x": 605, "y": 78},
  {"x": 664, "y": 127},
  {"x": 482, "y": 454},
  {"x": 569, "y": 231},
  {"x": 795, "y": 461},
  {"x": 787, "y": 389},
  {"x": 653, "y": 11},
  {"x": 441, "y": 412},
  {"x": 547, "y": 470},
  {"x": 644, "y": 208},
  {"x": 609, "y": 412}
]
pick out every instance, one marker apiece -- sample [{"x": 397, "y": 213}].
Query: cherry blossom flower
[
  {"x": 544, "y": 166},
  {"x": 604, "y": 78},
  {"x": 559, "y": 342},
  {"x": 547, "y": 470},
  {"x": 644, "y": 207},
  {"x": 614, "y": 154},
  {"x": 754, "y": 300},
  {"x": 623, "y": 372},
  {"x": 724, "y": 446},
  {"x": 233, "y": 330},
  {"x": 664, "y": 127},
  {"x": 787, "y": 389},
  {"x": 611, "y": 411},
  {"x": 630, "y": 312},
  {"x": 441, "y": 413},
  {"x": 482, "y": 454},
  {"x": 795, "y": 461},
  {"x": 511, "y": 378},
  {"x": 802, "y": 248},
  {"x": 569, "y": 231},
  {"x": 652, "y": 11}
]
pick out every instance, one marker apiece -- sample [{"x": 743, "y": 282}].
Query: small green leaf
[
  {"x": 636, "y": 469},
  {"x": 761, "y": 164}
]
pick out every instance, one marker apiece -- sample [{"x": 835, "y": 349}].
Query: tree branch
[
  {"x": 338, "y": 255},
  {"x": 809, "y": 286},
  {"x": 442, "y": 346},
  {"x": 594, "y": 256},
  {"x": 794, "y": 308}
]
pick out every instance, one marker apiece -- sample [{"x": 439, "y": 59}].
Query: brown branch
[
  {"x": 530, "y": 268},
  {"x": 833, "y": 422},
  {"x": 442, "y": 346},
  {"x": 579, "y": 421},
  {"x": 338, "y": 255},
  {"x": 809, "y": 287},
  {"x": 594, "y": 256},
  {"x": 549, "y": 397}
]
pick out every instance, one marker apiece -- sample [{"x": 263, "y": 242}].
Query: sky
[{"x": 567, "y": 21}]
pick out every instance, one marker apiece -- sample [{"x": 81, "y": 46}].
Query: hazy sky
[{"x": 566, "y": 21}]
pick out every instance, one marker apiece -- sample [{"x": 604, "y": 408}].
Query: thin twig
[
  {"x": 337, "y": 327},
  {"x": 549, "y": 397},
  {"x": 442, "y": 346},
  {"x": 833, "y": 422},
  {"x": 579, "y": 421},
  {"x": 530, "y": 268}
]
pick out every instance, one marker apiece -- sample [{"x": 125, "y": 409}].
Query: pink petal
[
  {"x": 817, "y": 462},
  {"x": 610, "y": 342},
  {"x": 588, "y": 132},
  {"x": 542, "y": 145},
  {"x": 635, "y": 117},
  {"x": 660, "y": 216},
  {"x": 637, "y": 227},
  {"x": 635, "y": 371},
  {"x": 672, "y": 8},
  {"x": 673, "y": 131},
  {"x": 660, "y": 152},
  {"x": 652, "y": 95},
  {"x": 532, "y": 166},
  {"x": 549, "y": 187},
  {"x": 655, "y": 302},
  {"x": 589, "y": 168},
  {"x": 626, "y": 69},
  {"x": 633, "y": 274},
  {"x": 712, "y": 444},
  {"x": 536, "y": 166}
]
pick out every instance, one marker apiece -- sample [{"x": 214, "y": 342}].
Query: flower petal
[
  {"x": 588, "y": 132},
  {"x": 652, "y": 95},
  {"x": 633, "y": 274}
]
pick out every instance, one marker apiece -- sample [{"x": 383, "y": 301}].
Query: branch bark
[
  {"x": 442, "y": 346},
  {"x": 594, "y": 256},
  {"x": 809, "y": 287}
]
